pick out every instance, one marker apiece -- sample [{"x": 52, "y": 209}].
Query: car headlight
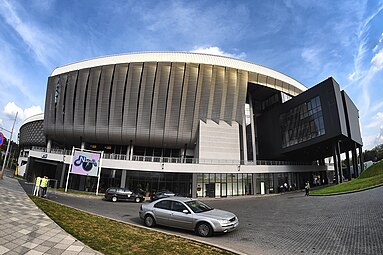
[{"x": 224, "y": 221}]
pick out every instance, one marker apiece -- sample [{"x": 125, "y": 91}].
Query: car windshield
[{"x": 198, "y": 206}]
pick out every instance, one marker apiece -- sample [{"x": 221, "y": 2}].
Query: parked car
[
  {"x": 187, "y": 213},
  {"x": 115, "y": 194},
  {"x": 161, "y": 194}
]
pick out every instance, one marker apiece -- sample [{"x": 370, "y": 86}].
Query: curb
[{"x": 346, "y": 192}]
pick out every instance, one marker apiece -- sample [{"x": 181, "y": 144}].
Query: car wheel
[
  {"x": 114, "y": 199},
  {"x": 149, "y": 221},
  {"x": 204, "y": 229},
  {"x": 137, "y": 200}
]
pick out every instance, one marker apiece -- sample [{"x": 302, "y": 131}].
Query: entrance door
[{"x": 223, "y": 189}]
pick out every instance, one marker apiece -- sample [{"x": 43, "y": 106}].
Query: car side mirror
[{"x": 185, "y": 211}]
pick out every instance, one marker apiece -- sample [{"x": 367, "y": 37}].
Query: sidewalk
[{"x": 25, "y": 229}]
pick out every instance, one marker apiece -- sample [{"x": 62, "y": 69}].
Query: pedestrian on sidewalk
[
  {"x": 44, "y": 186},
  {"x": 307, "y": 188},
  {"x": 37, "y": 186}
]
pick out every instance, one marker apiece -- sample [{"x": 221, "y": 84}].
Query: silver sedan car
[{"x": 189, "y": 214}]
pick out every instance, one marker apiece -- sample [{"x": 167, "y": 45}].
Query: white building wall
[{"x": 218, "y": 141}]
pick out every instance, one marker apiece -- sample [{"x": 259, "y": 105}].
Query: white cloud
[
  {"x": 379, "y": 138},
  {"x": 377, "y": 60},
  {"x": 311, "y": 56},
  {"x": 214, "y": 50},
  {"x": 379, "y": 44},
  {"x": 11, "y": 109},
  {"x": 42, "y": 43},
  {"x": 376, "y": 121}
]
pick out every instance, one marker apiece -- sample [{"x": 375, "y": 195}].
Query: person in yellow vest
[
  {"x": 307, "y": 188},
  {"x": 44, "y": 186},
  {"x": 37, "y": 186}
]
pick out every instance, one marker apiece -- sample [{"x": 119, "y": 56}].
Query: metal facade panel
[
  {"x": 91, "y": 104},
  {"x": 218, "y": 92},
  {"x": 49, "y": 117},
  {"x": 129, "y": 121},
  {"x": 117, "y": 103},
  {"x": 60, "y": 95},
  {"x": 79, "y": 106},
  {"x": 159, "y": 104},
  {"x": 231, "y": 95},
  {"x": 173, "y": 104},
  {"x": 145, "y": 103},
  {"x": 187, "y": 105},
  {"x": 207, "y": 86},
  {"x": 103, "y": 104},
  {"x": 224, "y": 96},
  {"x": 69, "y": 104},
  {"x": 243, "y": 79},
  {"x": 196, "y": 114}
]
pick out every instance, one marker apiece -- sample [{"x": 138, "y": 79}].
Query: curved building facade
[{"x": 198, "y": 124}]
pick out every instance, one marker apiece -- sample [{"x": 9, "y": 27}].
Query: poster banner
[{"x": 85, "y": 162}]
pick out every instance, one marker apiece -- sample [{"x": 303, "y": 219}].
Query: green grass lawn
[
  {"x": 372, "y": 176},
  {"x": 113, "y": 237}
]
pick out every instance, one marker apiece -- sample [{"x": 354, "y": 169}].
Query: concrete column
[
  {"x": 49, "y": 145},
  {"x": 244, "y": 141},
  {"x": 361, "y": 160},
  {"x": 339, "y": 162},
  {"x": 82, "y": 145},
  {"x": 355, "y": 161},
  {"x": 131, "y": 152},
  {"x": 348, "y": 164},
  {"x": 336, "y": 175},
  {"x": 194, "y": 186},
  {"x": 123, "y": 178},
  {"x": 252, "y": 123}
]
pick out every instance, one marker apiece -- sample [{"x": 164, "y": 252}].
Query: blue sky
[{"x": 307, "y": 40}]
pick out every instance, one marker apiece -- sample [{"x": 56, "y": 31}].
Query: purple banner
[{"x": 86, "y": 163}]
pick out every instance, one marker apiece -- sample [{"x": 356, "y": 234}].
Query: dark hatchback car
[
  {"x": 115, "y": 194},
  {"x": 161, "y": 194}
]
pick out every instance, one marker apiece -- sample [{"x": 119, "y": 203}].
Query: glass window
[
  {"x": 164, "y": 204},
  {"x": 178, "y": 206}
]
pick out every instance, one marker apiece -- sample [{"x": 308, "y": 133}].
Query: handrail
[{"x": 177, "y": 160}]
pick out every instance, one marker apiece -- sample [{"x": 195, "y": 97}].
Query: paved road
[{"x": 285, "y": 224}]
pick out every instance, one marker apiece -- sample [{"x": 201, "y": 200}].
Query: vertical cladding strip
[
  {"x": 60, "y": 106},
  {"x": 234, "y": 86},
  {"x": 110, "y": 102},
  {"x": 74, "y": 105},
  {"x": 227, "y": 101},
  {"x": 80, "y": 100},
  {"x": 211, "y": 94},
  {"x": 69, "y": 105},
  {"x": 103, "y": 103},
  {"x": 91, "y": 104},
  {"x": 176, "y": 102},
  {"x": 243, "y": 79},
  {"x": 153, "y": 106},
  {"x": 117, "y": 103},
  {"x": 218, "y": 93},
  {"x": 131, "y": 101},
  {"x": 168, "y": 132},
  {"x": 207, "y": 91},
  {"x": 187, "y": 106},
  {"x": 197, "y": 100},
  {"x": 145, "y": 102},
  {"x": 181, "y": 112},
  {"x": 159, "y": 104},
  {"x": 49, "y": 120}
]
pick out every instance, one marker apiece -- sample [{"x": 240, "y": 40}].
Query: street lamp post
[{"x": 9, "y": 143}]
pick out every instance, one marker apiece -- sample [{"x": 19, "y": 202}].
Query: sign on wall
[
  {"x": 85, "y": 162},
  {"x": 1, "y": 138}
]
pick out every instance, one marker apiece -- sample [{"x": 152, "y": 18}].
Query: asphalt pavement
[{"x": 284, "y": 224}]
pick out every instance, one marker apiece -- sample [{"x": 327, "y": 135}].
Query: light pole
[{"x": 9, "y": 143}]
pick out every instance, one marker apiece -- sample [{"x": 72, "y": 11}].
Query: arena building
[{"x": 196, "y": 124}]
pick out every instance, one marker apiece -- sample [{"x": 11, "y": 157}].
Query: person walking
[
  {"x": 44, "y": 186},
  {"x": 307, "y": 189},
  {"x": 37, "y": 186}
]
